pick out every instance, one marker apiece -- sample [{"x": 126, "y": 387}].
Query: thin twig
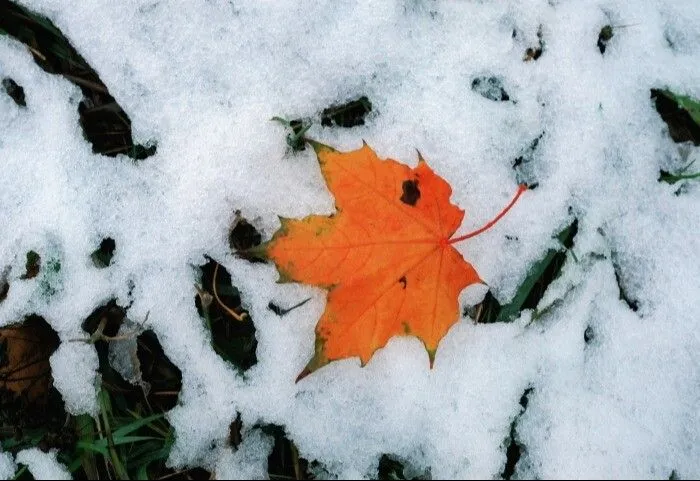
[{"x": 232, "y": 313}]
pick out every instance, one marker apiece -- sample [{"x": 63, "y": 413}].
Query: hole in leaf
[
  {"x": 490, "y": 88},
  {"x": 234, "y": 340},
  {"x": 411, "y": 192},
  {"x": 681, "y": 114},
  {"x": 15, "y": 91},
  {"x": 105, "y": 124},
  {"x": 531, "y": 290},
  {"x": 102, "y": 256},
  {"x": 349, "y": 114},
  {"x": 32, "y": 266}
]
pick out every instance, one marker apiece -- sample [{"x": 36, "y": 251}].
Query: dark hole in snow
[
  {"x": 632, "y": 303},
  {"x": 234, "y": 340},
  {"x": 102, "y": 256},
  {"x": 284, "y": 461},
  {"x": 234, "y": 432},
  {"x": 605, "y": 35},
  {"x": 105, "y": 124},
  {"x": 110, "y": 315},
  {"x": 15, "y": 91},
  {"x": 161, "y": 379},
  {"x": 533, "y": 53},
  {"x": 32, "y": 265},
  {"x": 490, "y": 88},
  {"x": 162, "y": 376},
  {"x": 681, "y": 125},
  {"x": 390, "y": 468},
  {"x": 588, "y": 335},
  {"x": 33, "y": 412},
  {"x": 533, "y": 287},
  {"x": 514, "y": 448},
  {"x": 4, "y": 284},
  {"x": 411, "y": 192},
  {"x": 525, "y": 165},
  {"x": 243, "y": 236},
  {"x": 349, "y": 114}
]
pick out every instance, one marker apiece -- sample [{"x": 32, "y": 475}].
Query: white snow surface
[
  {"x": 7, "y": 466},
  {"x": 43, "y": 465},
  {"x": 203, "y": 79}
]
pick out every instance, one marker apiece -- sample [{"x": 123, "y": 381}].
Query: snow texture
[
  {"x": 43, "y": 465},
  {"x": 7, "y": 466},
  {"x": 610, "y": 392}
]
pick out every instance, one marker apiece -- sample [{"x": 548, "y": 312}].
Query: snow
[
  {"x": 43, "y": 465},
  {"x": 7, "y": 466},
  {"x": 203, "y": 80}
]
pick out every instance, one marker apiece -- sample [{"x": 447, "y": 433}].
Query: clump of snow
[
  {"x": 7, "y": 466},
  {"x": 203, "y": 80},
  {"x": 43, "y": 465}
]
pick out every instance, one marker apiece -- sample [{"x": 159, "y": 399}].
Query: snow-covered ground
[{"x": 204, "y": 78}]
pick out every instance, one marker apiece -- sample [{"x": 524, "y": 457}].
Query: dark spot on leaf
[
  {"x": 403, "y": 281},
  {"x": 243, "y": 236},
  {"x": 490, "y": 88},
  {"x": 15, "y": 91},
  {"x": 347, "y": 115},
  {"x": 411, "y": 193},
  {"x": 102, "y": 256},
  {"x": 33, "y": 265},
  {"x": 605, "y": 35}
]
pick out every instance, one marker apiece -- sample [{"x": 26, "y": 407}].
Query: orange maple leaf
[{"x": 386, "y": 256}]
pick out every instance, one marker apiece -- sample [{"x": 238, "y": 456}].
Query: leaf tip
[{"x": 421, "y": 159}]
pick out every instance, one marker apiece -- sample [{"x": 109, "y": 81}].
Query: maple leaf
[{"x": 386, "y": 256}]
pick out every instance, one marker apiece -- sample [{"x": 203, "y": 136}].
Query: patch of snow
[
  {"x": 203, "y": 81},
  {"x": 7, "y": 466},
  {"x": 43, "y": 465}
]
